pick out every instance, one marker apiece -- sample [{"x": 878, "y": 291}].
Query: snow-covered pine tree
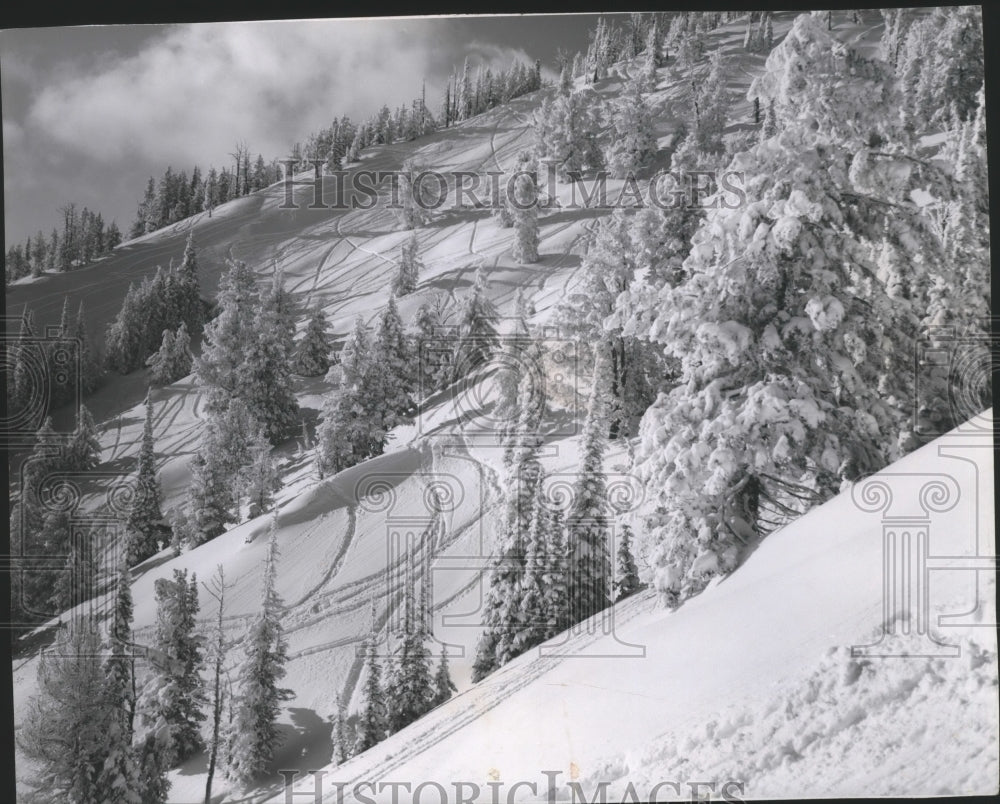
[
  {"x": 351, "y": 429},
  {"x": 392, "y": 377},
  {"x": 499, "y": 201},
  {"x": 586, "y": 521},
  {"x": 941, "y": 65},
  {"x": 190, "y": 306},
  {"x": 144, "y": 516},
  {"x": 173, "y": 359},
  {"x": 502, "y": 614},
  {"x": 117, "y": 779},
  {"x": 781, "y": 329},
  {"x": 650, "y": 61},
  {"x": 209, "y": 496},
  {"x": 341, "y": 751},
  {"x": 372, "y": 719},
  {"x": 711, "y": 105},
  {"x": 226, "y": 335},
  {"x": 524, "y": 210},
  {"x": 247, "y": 354},
  {"x": 477, "y": 332},
  {"x": 181, "y": 695},
  {"x": 84, "y": 448},
  {"x": 90, "y": 366},
  {"x": 253, "y": 734},
  {"x": 632, "y": 144},
  {"x": 431, "y": 346},
  {"x": 124, "y": 338},
  {"x": 65, "y": 726},
  {"x": 258, "y": 477},
  {"x": 555, "y": 576},
  {"x": 568, "y": 129},
  {"x": 283, "y": 310},
  {"x": 588, "y": 315},
  {"x": 78, "y": 581},
  {"x": 412, "y": 212},
  {"x": 408, "y": 273},
  {"x": 565, "y": 79},
  {"x": 409, "y": 690},
  {"x": 153, "y": 751},
  {"x": 626, "y": 572},
  {"x": 512, "y": 362},
  {"x": 534, "y": 617},
  {"x": 313, "y": 353},
  {"x": 443, "y": 685}
]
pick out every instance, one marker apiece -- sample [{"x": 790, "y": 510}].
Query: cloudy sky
[{"x": 90, "y": 112}]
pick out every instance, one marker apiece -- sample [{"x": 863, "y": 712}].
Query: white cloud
[
  {"x": 13, "y": 135},
  {"x": 191, "y": 94}
]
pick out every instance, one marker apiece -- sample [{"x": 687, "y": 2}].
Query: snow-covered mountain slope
[
  {"x": 762, "y": 636},
  {"x": 753, "y": 681}
]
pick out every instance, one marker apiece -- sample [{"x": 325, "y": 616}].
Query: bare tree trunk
[{"x": 218, "y": 591}]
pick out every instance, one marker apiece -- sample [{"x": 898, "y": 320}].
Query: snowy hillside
[{"x": 750, "y": 682}]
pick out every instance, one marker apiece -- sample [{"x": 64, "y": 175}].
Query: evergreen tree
[
  {"x": 258, "y": 477},
  {"x": 525, "y": 213},
  {"x": 280, "y": 304},
  {"x": 477, "y": 334},
  {"x": 210, "y": 497},
  {"x": 126, "y": 334},
  {"x": 632, "y": 143},
  {"x": 65, "y": 727},
  {"x": 246, "y": 353},
  {"x": 78, "y": 581},
  {"x": 443, "y": 685},
  {"x": 586, "y": 521},
  {"x": 84, "y": 452},
  {"x": 500, "y": 202},
  {"x": 118, "y": 778},
  {"x": 190, "y": 310},
  {"x": 431, "y": 346},
  {"x": 181, "y": 695},
  {"x": 408, "y": 274},
  {"x": 313, "y": 353},
  {"x": 392, "y": 380},
  {"x": 651, "y": 61},
  {"x": 412, "y": 212},
  {"x": 372, "y": 721},
  {"x": 410, "y": 688},
  {"x": 710, "y": 105},
  {"x": 534, "y": 616},
  {"x": 770, "y": 416},
  {"x": 586, "y": 313},
  {"x": 341, "y": 752},
  {"x": 173, "y": 359},
  {"x": 142, "y": 522},
  {"x": 555, "y": 578},
  {"x": 626, "y": 573},
  {"x": 90, "y": 369},
  {"x": 565, "y": 79},
  {"x": 253, "y": 734},
  {"x": 346, "y": 434},
  {"x": 567, "y": 130}
]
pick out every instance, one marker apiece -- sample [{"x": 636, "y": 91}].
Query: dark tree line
[
  {"x": 177, "y": 196},
  {"x": 84, "y": 237}
]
